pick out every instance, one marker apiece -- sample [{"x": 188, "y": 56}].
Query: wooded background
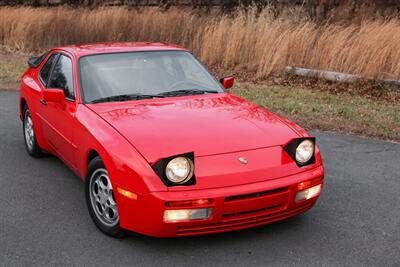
[{"x": 315, "y": 9}]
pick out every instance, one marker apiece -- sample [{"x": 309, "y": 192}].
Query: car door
[{"x": 58, "y": 118}]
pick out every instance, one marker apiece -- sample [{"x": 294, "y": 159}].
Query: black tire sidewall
[{"x": 114, "y": 231}]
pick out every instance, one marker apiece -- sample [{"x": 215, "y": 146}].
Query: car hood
[{"x": 206, "y": 125}]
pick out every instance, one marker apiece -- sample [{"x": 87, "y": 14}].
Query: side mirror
[
  {"x": 54, "y": 95},
  {"x": 227, "y": 82}
]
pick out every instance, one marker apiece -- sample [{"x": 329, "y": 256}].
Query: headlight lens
[
  {"x": 304, "y": 151},
  {"x": 179, "y": 170}
]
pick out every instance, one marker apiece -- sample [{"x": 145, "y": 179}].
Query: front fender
[{"x": 126, "y": 166}]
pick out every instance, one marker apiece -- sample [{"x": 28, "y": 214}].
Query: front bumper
[{"x": 234, "y": 207}]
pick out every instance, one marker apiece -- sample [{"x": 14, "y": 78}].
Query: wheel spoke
[{"x": 111, "y": 199}]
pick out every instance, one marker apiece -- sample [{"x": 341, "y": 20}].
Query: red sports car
[{"x": 165, "y": 149}]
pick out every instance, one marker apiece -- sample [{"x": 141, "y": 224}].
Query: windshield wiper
[
  {"x": 187, "y": 92},
  {"x": 125, "y": 97}
]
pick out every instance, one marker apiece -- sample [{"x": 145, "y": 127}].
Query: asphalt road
[{"x": 44, "y": 221}]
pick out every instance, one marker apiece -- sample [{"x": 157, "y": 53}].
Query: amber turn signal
[
  {"x": 127, "y": 193},
  {"x": 189, "y": 203}
]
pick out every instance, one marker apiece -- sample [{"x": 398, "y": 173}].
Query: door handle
[{"x": 43, "y": 102}]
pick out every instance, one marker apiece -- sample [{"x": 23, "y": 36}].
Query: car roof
[{"x": 117, "y": 47}]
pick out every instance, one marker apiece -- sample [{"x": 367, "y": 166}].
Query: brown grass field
[
  {"x": 255, "y": 47},
  {"x": 240, "y": 42},
  {"x": 312, "y": 105}
]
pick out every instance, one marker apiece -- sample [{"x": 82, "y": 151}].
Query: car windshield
[{"x": 143, "y": 75}]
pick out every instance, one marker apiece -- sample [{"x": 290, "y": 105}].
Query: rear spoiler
[{"x": 34, "y": 62}]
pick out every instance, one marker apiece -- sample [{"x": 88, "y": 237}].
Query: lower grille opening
[
  {"x": 255, "y": 195},
  {"x": 250, "y": 211},
  {"x": 240, "y": 224}
]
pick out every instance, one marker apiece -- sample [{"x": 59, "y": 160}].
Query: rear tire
[
  {"x": 31, "y": 144},
  {"x": 100, "y": 199}
]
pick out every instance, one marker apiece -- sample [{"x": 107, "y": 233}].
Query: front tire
[
  {"x": 31, "y": 144},
  {"x": 100, "y": 199}
]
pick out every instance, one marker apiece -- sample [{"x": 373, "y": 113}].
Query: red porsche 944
[{"x": 163, "y": 147}]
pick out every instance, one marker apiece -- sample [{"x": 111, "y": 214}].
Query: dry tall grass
[{"x": 242, "y": 42}]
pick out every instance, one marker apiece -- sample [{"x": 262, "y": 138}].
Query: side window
[
  {"x": 45, "y": 71},
  {"x": 62, "y": 76}
]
